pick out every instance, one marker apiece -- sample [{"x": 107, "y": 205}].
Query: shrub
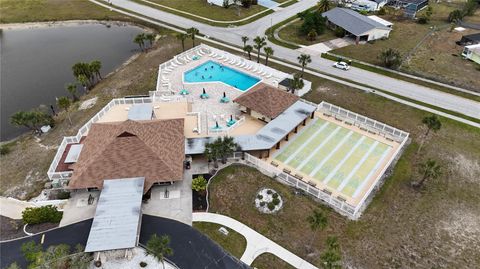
[
  {"x": 269, "y": 191},
  {"x": 382, "y": 11},
  {"x": 271, "y": 206},
  {"x": 262, "y": 203},
  {"x": 275, "y": 195},
  {"x": 422, "y": 20},
  {"x": 143, "y": 264},
  {"x": 36, "y": 215},
  {"x": 312, "y": 35},
  {"x": 4, "y": 149},
  {"x": 339, "y": 32},
  {"x": 199, "y": 184},
  {"x": 63, "y": 195},
  {"x": 363, "y": 12},
  {"x": 246, "y": 3},
  {"x": 391, "y": 58},
  {"x": 260, "y": 197},
  {"x": 226, "y": 4},
  {"x": 470, "y": 7},
  {"x": 276, "y": 201},
  {"x": 455, "y": 15},
  {"x": 313, "y": 21}
]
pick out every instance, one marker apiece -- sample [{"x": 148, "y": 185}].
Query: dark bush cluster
[{"x": 36, "y": 215}]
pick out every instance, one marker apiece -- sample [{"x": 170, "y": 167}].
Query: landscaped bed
[
  {"x": 199, "y": 198},
  {"x": 12, "y": 228},
  {"x": 234, "y": 243}
]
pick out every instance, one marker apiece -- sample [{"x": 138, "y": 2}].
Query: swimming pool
[{"x": 212, "y": 71}]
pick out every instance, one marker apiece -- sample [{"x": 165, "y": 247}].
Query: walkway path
[
  {"x": 256, "y": 243},
  {"x": 357, "y": 75}
]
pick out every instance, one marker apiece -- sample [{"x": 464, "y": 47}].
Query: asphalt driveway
[
  {"x": 72, "y": 235},
  {"x": 191, "y": 248}
]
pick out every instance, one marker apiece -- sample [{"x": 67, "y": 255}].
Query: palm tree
[
  {"x": 304, "y": 59},
  {"x": 159, "y": 247},
  {"x": 139, "y": 40},
  {"x": 323, "y": 6},
  {"x": 64, "y": 103},
  {"x": 95, "y": 67},
  {"x": 182, "y": 37},
  {"x": 83, "y": 80},
  {"x": 331, "y": 257},
  {"x": 318, "y": 220},
  {"x": 430, "y": 170},
  {"x": 193, "y": 32},
  {"x": 391, "y": 58},
  {"x": 72, "y": 89},
  {"x": 433, "y": 123},
  {"x": 227, "y": 147},
  {"x": 248, "y": 49},
  {"x": 150, "y": 38},
  {"x": 213, "y": 152},
  {"x": 296, "y": 83},
  {"x": 259, "y": 44},
  {"x": 244, "y": 40},
  {"x": 268, "y": 52}
]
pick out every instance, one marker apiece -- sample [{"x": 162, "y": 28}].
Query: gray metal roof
[
  {"x": 352, "y": 21},
  {"x": 73, "y": 153},
  {"x": 117, "y": 217},
  {"x": 267, "y": 137},
  {"x": 140, "y": 112}
]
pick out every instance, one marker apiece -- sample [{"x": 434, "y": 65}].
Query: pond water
[{"x": 36, "y": 63}]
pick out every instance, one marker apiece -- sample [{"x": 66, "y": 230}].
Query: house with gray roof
[{"x": 356, "y": 25}]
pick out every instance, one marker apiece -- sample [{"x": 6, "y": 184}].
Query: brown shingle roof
[
  {"x": 151, "y": 149},
  {"x": 266, "y": 100}
]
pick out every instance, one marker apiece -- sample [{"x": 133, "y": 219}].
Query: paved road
[
  {"x": 72, "y": 235},
  {"x": 257, "y": 244},
  {"x": 191, "y": 248},
  {"x": 258, "y": 27}
]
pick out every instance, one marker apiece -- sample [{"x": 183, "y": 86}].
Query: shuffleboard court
[{"x": 335, "y": 157}]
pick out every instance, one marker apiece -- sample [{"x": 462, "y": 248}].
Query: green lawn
[
  {"x": 266, "y": 260},
  {"x": 14, "y": 11},
  {"x": 234, "y": 243},
  {"x": 203, "y": 9},
  {"x": 292, "y": 33}
]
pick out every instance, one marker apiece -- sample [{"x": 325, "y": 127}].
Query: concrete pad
[
  {"x": 178, "y": 205},
  {"x": 77, "y": 207}
]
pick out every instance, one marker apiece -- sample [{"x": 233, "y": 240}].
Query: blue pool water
[{"x": 213, "y": 71}]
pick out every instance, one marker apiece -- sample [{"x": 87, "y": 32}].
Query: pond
[{"x": 36, "y": 62}]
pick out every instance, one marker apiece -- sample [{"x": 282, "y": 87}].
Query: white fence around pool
[{"x": 85, "y": 128}]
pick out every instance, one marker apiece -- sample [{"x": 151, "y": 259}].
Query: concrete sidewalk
[
  {"x": 256, "y": 243},
  {"x": 13, "y": 208}
]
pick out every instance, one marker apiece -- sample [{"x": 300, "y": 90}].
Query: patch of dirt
[
  {"x": 10, "y": 228},
  {"x": 461, "y": 229},
  {"x": 88, "y": 103},
  {"x": 37, "y": 228},
  {"x": 466, "y": 169}
]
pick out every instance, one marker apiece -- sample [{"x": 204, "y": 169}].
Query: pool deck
[{"x": 366, "y": 184}]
